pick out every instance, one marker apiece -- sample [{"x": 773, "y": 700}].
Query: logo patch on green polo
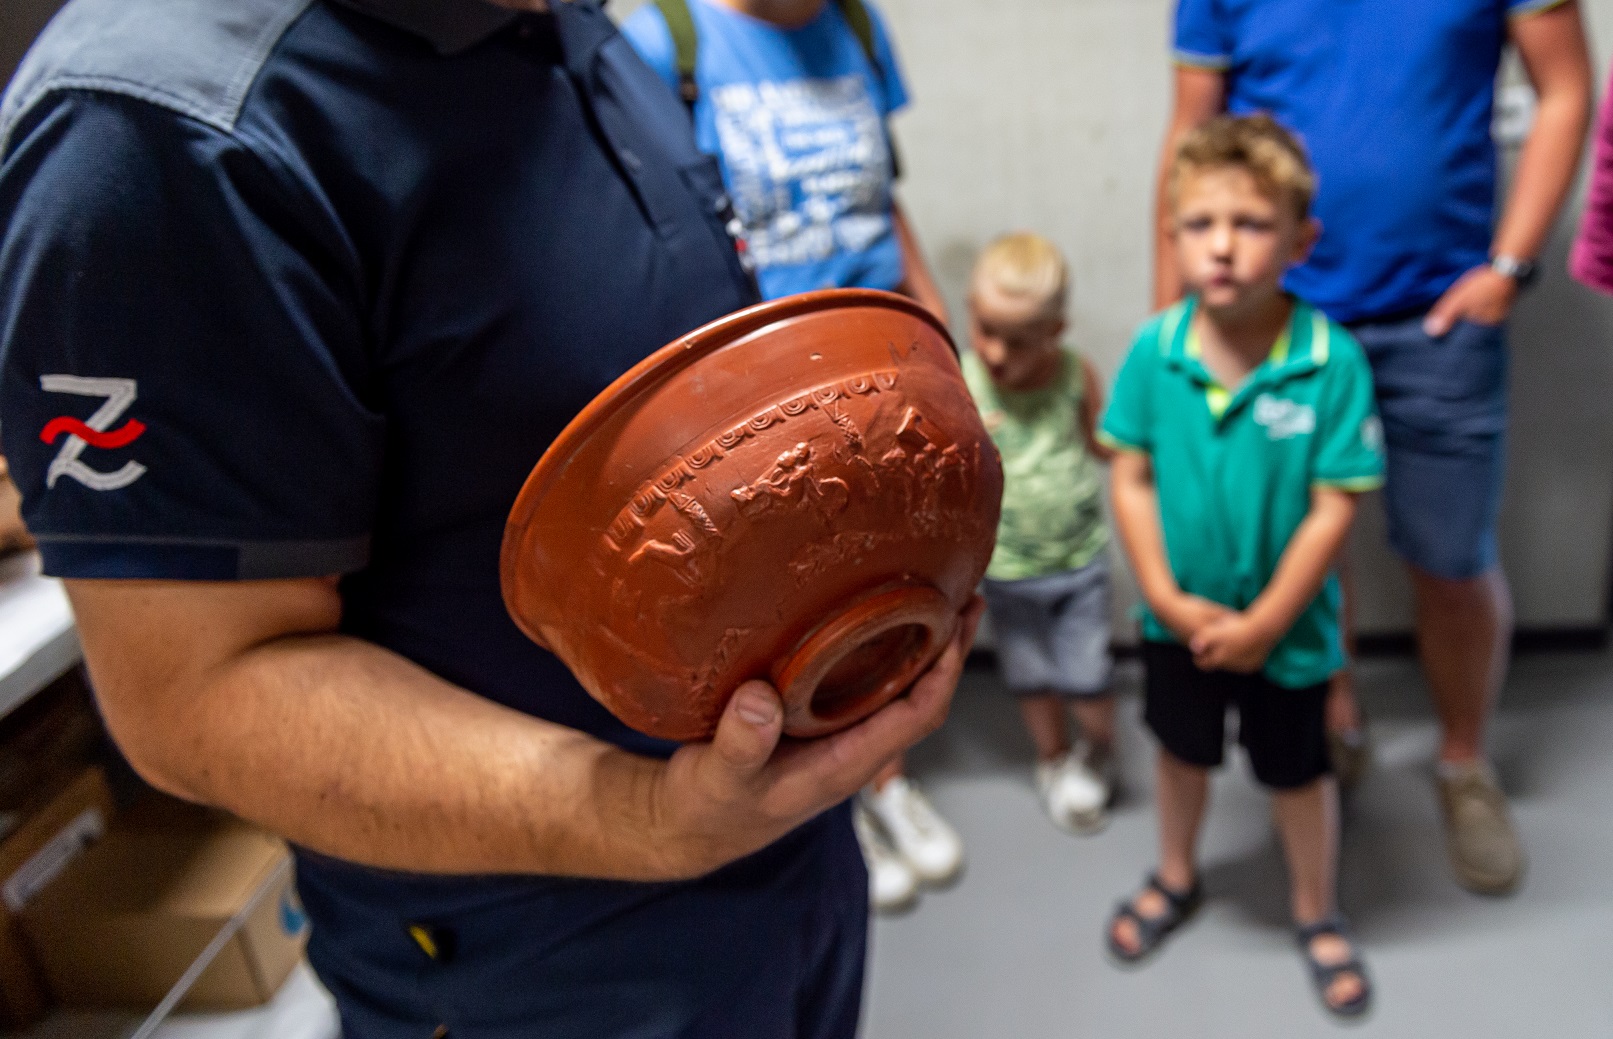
[{"x": 1284, "y": 419}]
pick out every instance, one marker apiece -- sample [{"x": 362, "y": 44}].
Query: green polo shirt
[{"x": 1234, "y": 468}]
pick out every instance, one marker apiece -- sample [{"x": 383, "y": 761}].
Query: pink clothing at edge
[{"x": 1592, "y": 259}]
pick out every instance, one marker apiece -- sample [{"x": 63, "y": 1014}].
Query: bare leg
[
  {"x": 1308, "y": 822},
  {"x": 1464, "y": 629},
  {"x": 893, "y": 768},
  {"x": 1096, "y": 716},
  {"x": 1048, "y": 724},
  {"x": 1343, "y": 710},
  {"x": 1183, "y": 792}
]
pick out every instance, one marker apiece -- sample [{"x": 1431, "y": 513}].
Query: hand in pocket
[{"x": 1480, "y": 297}]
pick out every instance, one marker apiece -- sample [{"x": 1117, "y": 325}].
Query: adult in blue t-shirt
[
  {"x": 796, "y": 113},
  {"x": 293, "y": 295},
  {"x": 795, "y": 108},
  {"x": 1394, "y": 101}
]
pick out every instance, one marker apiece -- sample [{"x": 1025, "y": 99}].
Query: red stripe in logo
[{"x": 123, "y": 436}]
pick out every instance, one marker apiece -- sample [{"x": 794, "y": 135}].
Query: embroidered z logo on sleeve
[{"x": 94, "y": 432}]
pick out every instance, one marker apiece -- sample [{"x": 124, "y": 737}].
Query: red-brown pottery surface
[{"x": 801, "y": 492}]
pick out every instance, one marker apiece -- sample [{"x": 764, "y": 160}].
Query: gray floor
[{"x": 1013, "y": 951}]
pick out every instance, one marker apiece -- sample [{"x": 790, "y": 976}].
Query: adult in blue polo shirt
[
  {"x": 1394, "y": 101},
  {"x": 293, "y": 293}
]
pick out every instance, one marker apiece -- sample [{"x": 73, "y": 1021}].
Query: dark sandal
[
  {"x": 1323, "y": 975},
  {"x": 1152, "y": 931}
]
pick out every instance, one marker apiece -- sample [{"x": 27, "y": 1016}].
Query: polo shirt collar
[
  {"x": 1304, "y": 346},
  {"x": 450, "y": 26}
]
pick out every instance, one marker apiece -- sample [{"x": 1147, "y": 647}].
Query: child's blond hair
[
  {"x": 1025, "y": 266},
  {"x": 1256, "y": 143}
]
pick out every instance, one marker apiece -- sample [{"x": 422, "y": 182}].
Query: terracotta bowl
[{"x": 801, "y": 491}]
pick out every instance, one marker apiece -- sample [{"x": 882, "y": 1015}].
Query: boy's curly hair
[{"x": 1257, "y": 143}]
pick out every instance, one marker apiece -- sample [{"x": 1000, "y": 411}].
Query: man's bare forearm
[
  {"x": 1167, "y": 277},
  {"x": 1552, "y": 45},
  {"x": 917, "y": 281},
  {"x": 1199, "y": 96},
  {"x": 1305, "y": 563},
  {"x": 350, "y": 750},
  {"x": 1545, "y": 172},
  {"x": 242, "y": 695}
]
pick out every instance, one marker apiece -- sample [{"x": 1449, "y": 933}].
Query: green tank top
[{"x": 1052, "y": 517}]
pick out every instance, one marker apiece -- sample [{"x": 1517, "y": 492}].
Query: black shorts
[{"x": 1284, "y": 730}]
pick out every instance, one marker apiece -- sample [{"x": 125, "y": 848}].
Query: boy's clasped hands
[{"x": 1220, "y": 638}]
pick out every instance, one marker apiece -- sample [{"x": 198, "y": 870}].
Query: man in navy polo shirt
[
  {"x": 1394, "y": 101},
  {"x": 293, "y": 294}
]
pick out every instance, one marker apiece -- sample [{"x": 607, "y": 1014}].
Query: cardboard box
[
  {"x": 124, "y": 921},
  {"x": 46, "y": 744},
  {"x": 44, "y": 843}
]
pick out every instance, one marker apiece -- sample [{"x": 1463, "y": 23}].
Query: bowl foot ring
[{"x": 862, "y": 658}]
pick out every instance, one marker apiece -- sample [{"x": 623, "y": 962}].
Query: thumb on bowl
[{"x": 750, "y": 728}]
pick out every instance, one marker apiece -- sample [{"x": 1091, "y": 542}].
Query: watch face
[{"x": 1521, "y": 271}]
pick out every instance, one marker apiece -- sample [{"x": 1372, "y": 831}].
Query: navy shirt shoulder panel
[
  {"x": 184, "y": 366},
  {"x": 197, "y": 57}
]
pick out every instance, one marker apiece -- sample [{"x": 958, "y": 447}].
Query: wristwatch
[{"x": 1522, "y": 272}]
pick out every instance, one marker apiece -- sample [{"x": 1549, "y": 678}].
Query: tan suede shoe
[
  {"x": 1350, "y": 754},
  {"x": 1479, "y": 835}
]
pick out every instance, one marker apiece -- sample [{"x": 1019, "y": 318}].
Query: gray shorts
[{"x": 1052, "y": 632}]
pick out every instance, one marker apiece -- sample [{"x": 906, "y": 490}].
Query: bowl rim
[{"x": 654, "y": 370}]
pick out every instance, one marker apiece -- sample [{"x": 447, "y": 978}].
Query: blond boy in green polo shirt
[{"x": 1244, "y": 428}]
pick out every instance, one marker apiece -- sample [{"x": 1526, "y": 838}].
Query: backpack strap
[
  {"x": 862, "y": 26},
  {"x": 685, "y": 47}
]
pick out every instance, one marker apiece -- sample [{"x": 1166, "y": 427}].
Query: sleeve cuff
[
  {"x": 1109, "y": 440},
  {"x": 1220, "y": 62},
  {"x": 1353, "y": 484},
  {"x": 1532, "y": 7},
  {"x": 181, "y": 559}
]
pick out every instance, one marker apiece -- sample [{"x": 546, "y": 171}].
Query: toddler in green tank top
[{"x": 1048, "y": 583}]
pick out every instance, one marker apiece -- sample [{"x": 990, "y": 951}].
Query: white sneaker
[
  {"x": 929, "y": 844},
  {"x": 891, "y": 883},
  {"x": 1076, "y": 789}
]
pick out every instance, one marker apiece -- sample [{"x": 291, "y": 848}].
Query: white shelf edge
[{"x": 38, "y": 642}]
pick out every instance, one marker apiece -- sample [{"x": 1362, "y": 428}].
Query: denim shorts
[
  {"x": 1052, "y": 632},
  {"x": 1444, "y": 408}
]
